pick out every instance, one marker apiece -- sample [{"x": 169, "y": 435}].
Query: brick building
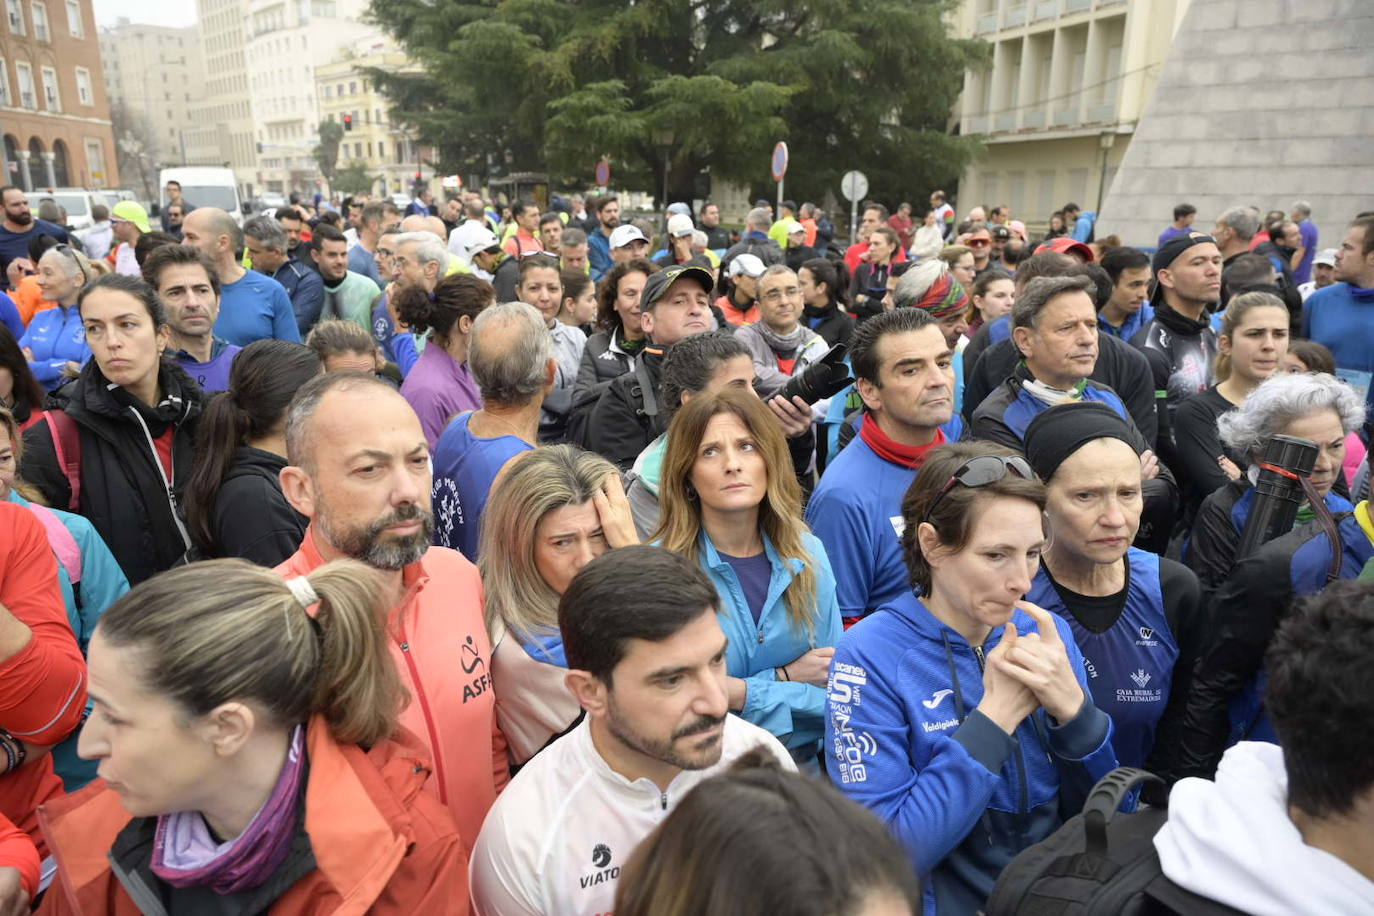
[{"x": 54, "y": 112}]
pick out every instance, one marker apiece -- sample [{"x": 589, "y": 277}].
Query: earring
[{"x": 691, "y": 493}]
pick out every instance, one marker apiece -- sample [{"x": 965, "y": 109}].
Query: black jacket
[
  {"x": 1245, "y": 612},
  {"x": 717, "y": 237},
  {"x": 601, "y": 364},
  {"x": 506, "y": 279},
  {"x": 765, "y": 248},
  {"x": 253, "y": 520},
  {"x": 1198, "y": 446},
  {"x": 123, "y": 491},
  {"x": 867, "y": 280},
  {"x": 1182, "y": 355},
  {"x": 620, "y": 425},
  {"x": 796, "y": 256},
  {"x": 834, "y": 324},
  {"x": 1120, "y": 367}
]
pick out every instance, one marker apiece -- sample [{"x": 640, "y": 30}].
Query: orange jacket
[
  {"x": 381, "y": 844},
  {"x": 440, "y": 645},
  {"x": 29, "y": 299},
  {"x": 43, "y": 685}
]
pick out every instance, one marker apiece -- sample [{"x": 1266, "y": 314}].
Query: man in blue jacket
[
  {"x": 1339, "y": 315},
  {"x": 267, "y": 241},
  {"x": 905, "y": 375},
  {"x": 599, "y": 241}
]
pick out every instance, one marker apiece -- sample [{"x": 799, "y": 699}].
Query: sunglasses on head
[
  {"x": 978, "y": 243},
  {"x": 980, "y": 472}
]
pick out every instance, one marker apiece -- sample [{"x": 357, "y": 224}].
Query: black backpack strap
[{"x": 646, "y": 389}]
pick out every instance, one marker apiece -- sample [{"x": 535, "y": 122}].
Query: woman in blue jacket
[
  {"x": 731, "y": 502},
  {"x": 55, "y": 342},
  {"x": 1135, "y": 615},
  {"x": 962, "y": 717}
]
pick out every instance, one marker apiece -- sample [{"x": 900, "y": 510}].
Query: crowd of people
[{"x": 544, "y": 560}]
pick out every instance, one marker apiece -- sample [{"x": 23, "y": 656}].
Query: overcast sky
[{"x": 176, "y": 13}]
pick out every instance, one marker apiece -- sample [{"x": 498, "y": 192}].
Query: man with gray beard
[{"x": 359, "y": 470}]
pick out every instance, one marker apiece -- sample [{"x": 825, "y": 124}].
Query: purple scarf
[{"x": 185, "y": 855}]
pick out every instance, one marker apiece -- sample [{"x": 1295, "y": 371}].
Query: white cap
[
  {"x": 679, "y": 224},
  {"x": 1326, "y": 256},
  {"x": 679, "y": 207},
  {"x": 481, "y": 242},
  {"x": 793, "y": 226},
  {"x": 748, "y": 264},
  {"x": 624, "y": 235}
]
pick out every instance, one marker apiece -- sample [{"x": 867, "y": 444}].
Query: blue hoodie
[
  {"x": 793, "y": 712},
  {"x": 962, "y": 796},
  {"x": 1339, "y": 316},
  {"x": 55, "y": 336}
]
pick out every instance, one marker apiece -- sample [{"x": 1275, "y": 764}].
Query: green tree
[
  {"x": 353, "y": 178},
  {"x": 326, "y": 152},
  {"x": 709, "y": 85}
]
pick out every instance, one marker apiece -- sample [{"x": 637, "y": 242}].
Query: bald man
[
  {"x": 417, "y": 223},
  {"x": 253, "y": 306}
]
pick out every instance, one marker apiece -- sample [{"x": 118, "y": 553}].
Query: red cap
[{"x": 1066, "y": 245}]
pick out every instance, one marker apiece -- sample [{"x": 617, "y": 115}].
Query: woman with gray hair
[
  {"x": 555, "y": 510},
  {"x": 1320, "y": 408},
  {"x": 55, "y": 341}
]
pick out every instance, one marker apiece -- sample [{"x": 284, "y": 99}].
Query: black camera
[{"x": 824, "y": 378}]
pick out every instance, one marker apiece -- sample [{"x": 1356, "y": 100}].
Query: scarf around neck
[
  {"x": 889, "y": 449},
  {"x": 186, "y": 855},
  {"x": 783, "y": 343},
  {"x": 1052, "y": 396}
]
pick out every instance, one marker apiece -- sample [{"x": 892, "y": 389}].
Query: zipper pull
[
  {"x": 405, "y": 647},
  {"x": 760, "y": 635},
  {"x": 663, "y": 800}
]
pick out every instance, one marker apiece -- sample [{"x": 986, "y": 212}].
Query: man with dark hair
[
  {"x": 252, "y": 306},
  {"x": 188, "y": 286},
  {"x": 177, "y": 203},
  {"x": 572, "y": 250},
  {"x": 1286, "y": 828},
  {"x": 1184, "y": 214},
  {"x": 266, "y": 242},
  {"x": 1179, "y": 342},
  {"x": 599, "y": 242},
  {"x": 347, "y": 295},
  {"x": 471, "y": 229},
  {"x": 1305, "y": 245},
  {"x": 551, "y": 231},
  {"x": 903, "y": 369},
  {"x": 1340, "y": 315},
  {"x": 675, "y": 304},
  {"x": 647, "y": 665},
  {"x": 19, "y": 225},
  {"x": 524, "y": 239},
  {"x": 1127, "y": 309},
  {"x": 755, "y": 241},
  {"x": 423, "y": 202},
  {"x": 717, "y": 236},
  {"x": 293, "y": 224},
  {"x": 359, "y": 469}
]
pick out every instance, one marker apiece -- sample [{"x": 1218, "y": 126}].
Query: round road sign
[
  {"x": 854, "y": 185},
  {"x": 779, "y": 163},
  {"x": 603, "y": 173}
]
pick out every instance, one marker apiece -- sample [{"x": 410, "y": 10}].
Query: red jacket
[
  {"x": 382, "y": 845},
  {"x": 854, "y": 255},
  {"x": 440, "y": 644},
  {"x": 43, "y": 685}
]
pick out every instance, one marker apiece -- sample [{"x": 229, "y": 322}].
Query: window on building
[
  {"x": 381, "y": 149},
  {"x": 51, "y": 98},
  {"x": 83, "y": 87},
  {"x": 27, "y": 97},
  {"x": 40, "y": 22},
  {"x": 358, "y": 150},
  {"x": 327, "y": 92},
  {"x": 5, "y": 97},
  {"x": 352, "y": 88},
  {"x": 16, "y": 16},
  {"x": 75, "y": 24},
  {"x": 95, "y": 159}
]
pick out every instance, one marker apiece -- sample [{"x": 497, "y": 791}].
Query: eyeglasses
[
  {"x": 978, "y": 243},
  {"x": 979, "y": 472}
]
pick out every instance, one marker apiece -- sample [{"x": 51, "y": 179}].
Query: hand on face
[
  {"x": 613, "y": 511},
  {"x": 1040, "y": 663}
]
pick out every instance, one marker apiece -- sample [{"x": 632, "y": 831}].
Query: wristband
[{"x": 782, "y": 669}]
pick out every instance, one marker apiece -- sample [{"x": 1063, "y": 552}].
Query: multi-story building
[
  {"x": 54, "y": 112},
  {"x": 286, "y": 42},
  {"x": 1068, "y": 82},
  {"x": 222, "y": 134},
  {"x": 155, "y": 73},
  {"x": 386, "y": 150}
]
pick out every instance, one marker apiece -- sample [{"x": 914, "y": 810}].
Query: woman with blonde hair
[
  {"x": 553, "y": 511},
  {"x": 251, "y": 757},
  {"x": 731, "y": 502}
]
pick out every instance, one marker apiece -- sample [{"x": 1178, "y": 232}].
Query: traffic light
[{"x": 348, "y": 122}]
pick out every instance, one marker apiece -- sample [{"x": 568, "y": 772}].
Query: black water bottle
[{"x": 1278, "y": 491}]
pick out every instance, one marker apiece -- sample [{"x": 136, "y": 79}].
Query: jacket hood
[
  {"x": 1232, "y": 841},
  {"x": 248, "y": 460},
  {"x": 90, "y": 395}
]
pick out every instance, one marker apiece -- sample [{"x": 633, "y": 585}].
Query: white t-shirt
[{"x": 554, "y": 842}]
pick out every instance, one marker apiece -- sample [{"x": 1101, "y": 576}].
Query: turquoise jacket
[{"x": 794, "y": 712}]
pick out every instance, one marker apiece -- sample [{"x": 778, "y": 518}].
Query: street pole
[
  {"x": 779, "y": 210},
  {"x": 853, "y": 220},
  {"x": 667, "y": 162}
]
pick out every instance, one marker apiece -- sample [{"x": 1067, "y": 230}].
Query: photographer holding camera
[{"x": 780, "y": 344}]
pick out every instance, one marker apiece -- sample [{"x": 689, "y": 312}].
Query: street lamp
[{"x": 663, "y": 139}]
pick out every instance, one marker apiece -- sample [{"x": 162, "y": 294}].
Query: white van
[{"x": 204, "y": 187}]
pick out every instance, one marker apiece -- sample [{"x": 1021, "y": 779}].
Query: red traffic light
[{"x": 348, "y": 122}]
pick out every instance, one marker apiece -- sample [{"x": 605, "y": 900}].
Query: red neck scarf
[{"x": 888, "y": 449}]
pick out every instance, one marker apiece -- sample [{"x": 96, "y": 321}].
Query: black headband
[{"x": 1062, "y": 430}]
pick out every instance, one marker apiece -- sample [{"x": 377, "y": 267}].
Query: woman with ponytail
[
  {"x": 440, "y": 385},
  {"x": 234, "y": 503},
  {"x": 250, "y": 756},
  {"x": 823, "y": 286}
]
